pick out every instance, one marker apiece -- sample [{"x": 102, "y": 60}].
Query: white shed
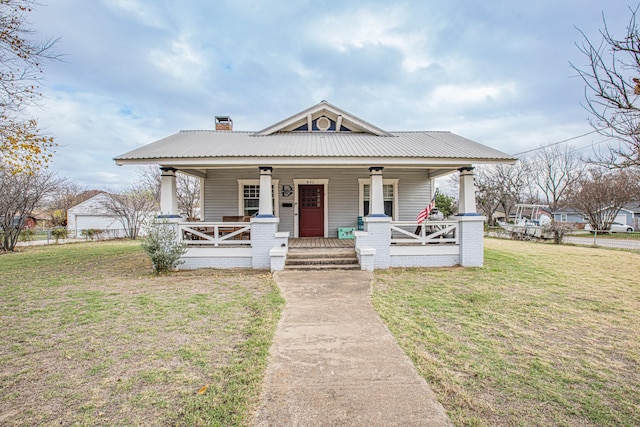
[{"x": 93, "y": 214}]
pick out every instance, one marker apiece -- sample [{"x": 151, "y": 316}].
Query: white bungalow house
[{"x": 313, "y": 175}]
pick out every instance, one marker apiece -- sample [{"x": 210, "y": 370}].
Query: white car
[{"x": 616, "y": 227}]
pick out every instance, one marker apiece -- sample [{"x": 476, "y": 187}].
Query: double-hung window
[
  {"x": 249, "y": 197},
  {"x": 389, "y": 195}
]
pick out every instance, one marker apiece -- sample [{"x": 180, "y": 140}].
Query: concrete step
[
  {"x": 322, "y": 267},
  {"x": 322, "y": 259},
  {"x": 319, "y": 253}
]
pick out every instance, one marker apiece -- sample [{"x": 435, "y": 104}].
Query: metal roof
[{"x": 209, "y": 144}]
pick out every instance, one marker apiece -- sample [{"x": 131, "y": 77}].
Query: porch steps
[{"x": 322, "y": 259}]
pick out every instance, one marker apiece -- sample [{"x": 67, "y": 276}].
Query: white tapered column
[
  {"x": 265, "y": 208},
  {"x": 168, "y": 193},
  {"x": 376, "y": 194}
]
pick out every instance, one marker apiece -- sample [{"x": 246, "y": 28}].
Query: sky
[{"x": 134, "y": 71}]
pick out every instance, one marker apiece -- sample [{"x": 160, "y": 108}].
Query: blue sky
[{"x": 134, "y": 71}]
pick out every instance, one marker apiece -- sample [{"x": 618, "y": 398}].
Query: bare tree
[
  {"x": 22, "y": 147},
  {"x": 556, "y": 168},
  {"x": 188, "y": 189},
  {"x": 21, "y": 194},
  {"x": 501, "y": 187},
  {"x": 488, "y": 192},
  {"x": 601, "y": 193},
  {"x": 612, "y": 78},
  {"x": 131, "y": 208}
]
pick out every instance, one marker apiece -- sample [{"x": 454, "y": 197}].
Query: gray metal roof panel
[{"x": 211, "y": 144}]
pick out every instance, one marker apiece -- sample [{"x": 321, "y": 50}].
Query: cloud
[
  {"x": 142, "y": 11},
  {"x": 364, "y": 28},
  {"x": 90, "y": 130},
  {"x": 179, "y": 60},
  {"x": 462, "y": 96}
]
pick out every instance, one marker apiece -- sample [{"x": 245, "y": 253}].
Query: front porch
[{"x": 382, "y": 244}]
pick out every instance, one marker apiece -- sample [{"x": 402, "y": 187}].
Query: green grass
[
  {"x": 542, "y": 335},
  {"x": 91, "y": 337}
]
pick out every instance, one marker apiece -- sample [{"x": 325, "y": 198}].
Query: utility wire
[{"x": 556, "y": 143}]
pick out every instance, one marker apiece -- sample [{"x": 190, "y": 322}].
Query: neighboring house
[
  {"x": 92, "y": 214},
  {"x": 628, "y": 215},
  {"x": 568, "y": 215},
  {"x": 315, "y": 174},
  {"x": 25, "y": 221}
]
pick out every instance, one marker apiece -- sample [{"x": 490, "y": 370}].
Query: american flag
[{"x": 424, "y": 213}]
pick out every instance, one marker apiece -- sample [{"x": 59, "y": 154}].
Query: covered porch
[{"x": 379, "y": 240}]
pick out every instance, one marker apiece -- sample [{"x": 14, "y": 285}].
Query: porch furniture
[
  {"x": 245, "y": 235},
  {"x": 345, "y": 232}
]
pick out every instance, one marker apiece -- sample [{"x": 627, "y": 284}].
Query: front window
[
  {"x": 389, "y": 195},
  {"x": 251, "y": 200},
  {"x": 249, "y": 197}
]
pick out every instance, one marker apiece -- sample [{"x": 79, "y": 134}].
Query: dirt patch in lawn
[{"x": 91, "y": 337}]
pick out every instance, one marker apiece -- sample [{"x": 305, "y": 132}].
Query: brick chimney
[{"x": 224, "y": 123}]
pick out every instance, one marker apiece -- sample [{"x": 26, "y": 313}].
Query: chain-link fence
[{"x": 629, "y": 241}]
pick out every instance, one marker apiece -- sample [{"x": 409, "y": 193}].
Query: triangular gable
[{"x": 323, "y": 117}]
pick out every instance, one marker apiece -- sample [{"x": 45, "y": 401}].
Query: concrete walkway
[{"x": 334, "y": 363}]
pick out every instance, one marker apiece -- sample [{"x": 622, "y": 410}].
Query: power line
[{"x": 556, "y": 143}]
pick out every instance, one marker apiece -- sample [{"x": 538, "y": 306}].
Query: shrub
[
  {"x": 59, "y": 233},
  {"x": 26, "y": 235},
  {"x": 560, "y": 229},
  {"x": 91, "y": 233},
  {"x": 162, "y": 246}
]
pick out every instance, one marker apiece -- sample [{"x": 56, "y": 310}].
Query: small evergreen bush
[
  {"x": 162, "y": 246},
  {"x": 59, "y": 233}
]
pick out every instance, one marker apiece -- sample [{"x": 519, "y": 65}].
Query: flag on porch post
[{"x": 424, "y": 213}]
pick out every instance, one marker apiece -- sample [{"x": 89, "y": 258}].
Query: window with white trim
[
  {"x": 249, "y": 197},
  {"x": 389, "y": 195}
]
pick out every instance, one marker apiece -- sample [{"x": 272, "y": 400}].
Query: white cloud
[
  {"x": 363, "y": 28},
  {"x": 468, "y": 94},
  {"x": 90, "y": 131},
  {"x": 180, "y": 60},
  {"x": 142, "y": 11}
]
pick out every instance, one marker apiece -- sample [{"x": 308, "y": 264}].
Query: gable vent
[{"x": 323, "y": 123}]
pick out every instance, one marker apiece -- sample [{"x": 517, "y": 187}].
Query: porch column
[
  {"x": 168, "y": 193},
  {"x": 376, "y": 195},
  {"x": 467, "y": 196},
  {"x": 265, "y": 208}
]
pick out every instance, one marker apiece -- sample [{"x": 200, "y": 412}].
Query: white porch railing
[
  {"x": 215, "y": 233},
  {"x": 414, "y": 233}
]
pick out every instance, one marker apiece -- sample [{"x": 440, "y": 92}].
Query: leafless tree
[
  {"x": 131, "y": 208},
  {"x": 555, "y": 170},
  {"x": 488, "y": 192},
  {"x": 20, "y": 195},
  {"x": 612, "y": 78},
  {"x": 22, "y": 146},
  {"x": 188, "y": 189},
  {"x": 501, "y": 187},
  {"x": 600, "y": 193}
]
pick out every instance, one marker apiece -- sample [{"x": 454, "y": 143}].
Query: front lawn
[
  {"x": 90, "y": 337},
  {"x": 542, "y": 335}
]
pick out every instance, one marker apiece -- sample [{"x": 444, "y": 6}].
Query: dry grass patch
[
  {"x": 542, "y": 335},
  {"x": 90, "y": 337}
]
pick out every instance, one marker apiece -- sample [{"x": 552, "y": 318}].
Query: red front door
[{"x": 311, "y": 212}]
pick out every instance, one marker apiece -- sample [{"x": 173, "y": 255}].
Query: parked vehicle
[{"x": 616, "y": 227}]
